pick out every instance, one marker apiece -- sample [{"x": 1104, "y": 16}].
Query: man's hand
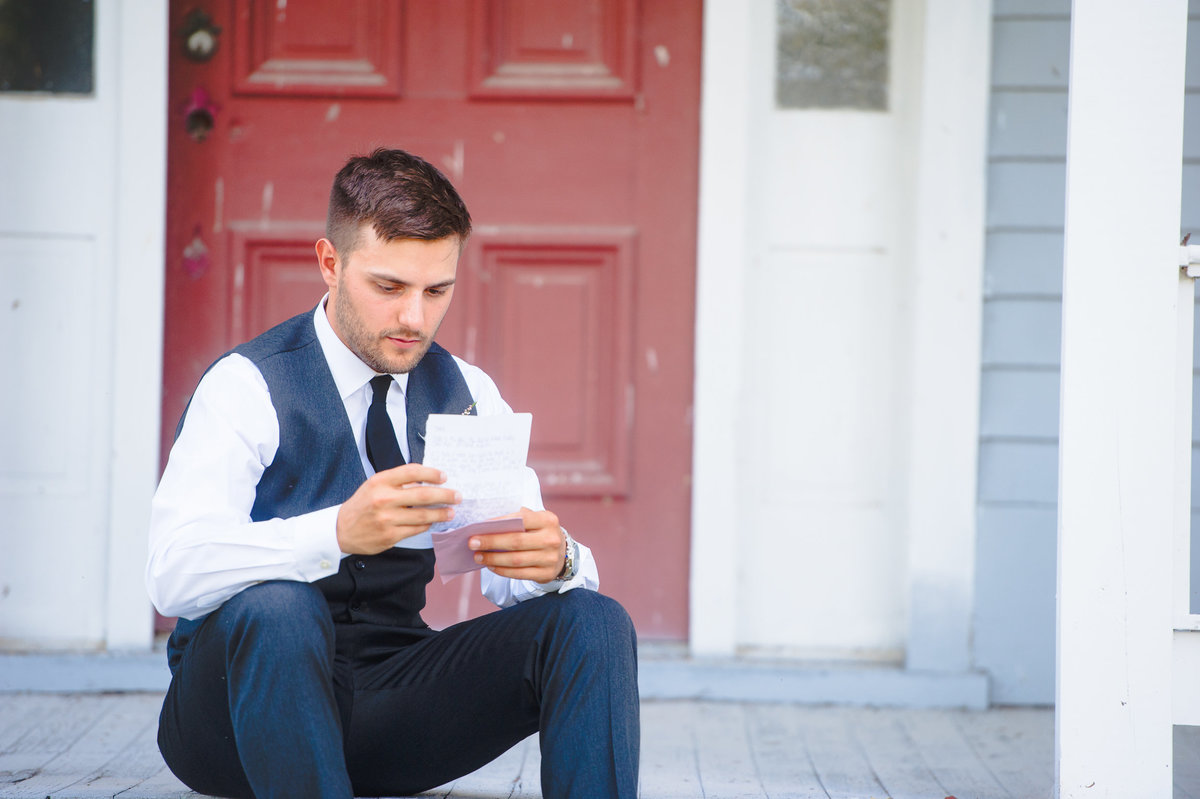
[
  {"x": 391, "y": 506},
  {"x": 536, "y": 554}
]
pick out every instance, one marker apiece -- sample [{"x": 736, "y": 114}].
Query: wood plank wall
[{"x": 1018, "y": 454}]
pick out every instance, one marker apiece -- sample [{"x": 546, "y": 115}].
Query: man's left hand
[{"x": 536, "y": 554}]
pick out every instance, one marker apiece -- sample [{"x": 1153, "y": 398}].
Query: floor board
[{"x": 96, "y": 746}]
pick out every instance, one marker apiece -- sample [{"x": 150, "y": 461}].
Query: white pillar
[
  {"x": 722, "y": 264},
  {"x": 946, "y": 288},
  {"x": 1116, "y": 466},
  {"x": 140, "y": 198}
]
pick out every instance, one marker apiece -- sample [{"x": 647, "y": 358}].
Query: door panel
[
  {"x": 532, "y": 48},
  {"x": 273, "y": 276},
  {"x": 577, "y": 286},
  {"x": 571, "y": 130},
  {"x": 318, "y": 49}
]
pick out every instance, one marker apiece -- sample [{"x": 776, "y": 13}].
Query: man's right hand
[{"x": 393, "y": 505}]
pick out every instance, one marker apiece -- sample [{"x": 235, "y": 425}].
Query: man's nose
[{"x": 410, "y": 311}]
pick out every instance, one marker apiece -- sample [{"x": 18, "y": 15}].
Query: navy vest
[{"x": 317, "y": 466}]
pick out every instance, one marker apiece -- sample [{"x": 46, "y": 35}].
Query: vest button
[
  {"x": 360, "y": 564},
  {"x": 355, "y": 605}
]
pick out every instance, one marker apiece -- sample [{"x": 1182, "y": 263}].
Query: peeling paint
[
  {"x": 455, "y": 162},
  {"x": 268, "y": 199},
  {"x": 662, "y": 55},
  {"x": 335, "y": 110},
  {"x": 196, "y": 258},
  {"x": 237, "y": 306},
  {"x": 498, "y": 137},
  {"x": 219, "y": 205},
  {"x": 651, "y": 359},
  {"x": 568, "y": 41}
]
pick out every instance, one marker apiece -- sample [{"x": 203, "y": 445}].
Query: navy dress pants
[{"x": 272, "y": 699}]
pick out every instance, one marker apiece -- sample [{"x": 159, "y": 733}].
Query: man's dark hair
[{"x": 400, "y": 195}]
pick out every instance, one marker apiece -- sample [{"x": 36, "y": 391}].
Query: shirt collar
[{"x": 349, "y": 373}]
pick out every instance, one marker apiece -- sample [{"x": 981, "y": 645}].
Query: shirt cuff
[{"x": 315, "y": 543}]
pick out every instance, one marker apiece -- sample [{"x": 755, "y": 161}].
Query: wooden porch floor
[
  {"x": 102, "y": 745},
  {"x": 70, "y": 746}
]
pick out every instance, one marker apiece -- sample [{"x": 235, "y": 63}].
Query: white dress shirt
[{"x": 203, "y": 546}]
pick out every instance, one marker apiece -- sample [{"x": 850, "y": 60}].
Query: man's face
[{"x": 387, "y": 299}]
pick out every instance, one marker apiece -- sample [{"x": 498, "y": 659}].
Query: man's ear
[{"x": 328, "y": 260}]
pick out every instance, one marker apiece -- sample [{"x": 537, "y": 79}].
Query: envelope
[{"x": 450, "y": 548}]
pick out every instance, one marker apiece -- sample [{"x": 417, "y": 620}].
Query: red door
[{"x": 571, "y": 130}]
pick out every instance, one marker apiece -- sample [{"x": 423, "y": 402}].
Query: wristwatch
[{"x": 570, "y": 557}]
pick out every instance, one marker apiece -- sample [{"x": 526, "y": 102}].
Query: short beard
[{"x": 365, "y": 344}]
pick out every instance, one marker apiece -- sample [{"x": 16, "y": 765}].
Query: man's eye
[
  {"x": 388, "y": 289},
  {"x": 435, "y": 292}
]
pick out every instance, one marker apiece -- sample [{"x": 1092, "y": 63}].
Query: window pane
[
  {"x": 832, "y": 54},
  {"x": 46, "y": 46}
]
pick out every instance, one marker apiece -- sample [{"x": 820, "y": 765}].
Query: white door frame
[{"x": 140, "y": 226}]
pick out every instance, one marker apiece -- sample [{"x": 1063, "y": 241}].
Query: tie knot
[{"x": 380, "y": 385}]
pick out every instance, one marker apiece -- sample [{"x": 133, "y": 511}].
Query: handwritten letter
[{"x": 484, "y": 458}]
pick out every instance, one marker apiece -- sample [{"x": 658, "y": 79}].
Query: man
[{"x": 296, "y": 551}]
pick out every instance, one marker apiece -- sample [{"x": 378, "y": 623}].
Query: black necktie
[{"x": 382, "y": 449}]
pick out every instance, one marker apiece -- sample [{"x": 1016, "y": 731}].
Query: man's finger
[
  {"x": 515, "y": 542},
  {"x": 522, "y": 559},
  {"x": 411, "y": 473},
  {"x": 424, "y": 495},
  {"x": 420, "y": 516}
]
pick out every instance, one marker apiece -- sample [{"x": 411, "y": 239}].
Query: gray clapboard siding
[
  {"x": 1195, "y": 491},
  {"x": 1192, "y": 66},
  {"x": 1195, "y": 559},
  {"x": 1016, "y": 542},
  {"x": 1190, "y": 215},
  {"x": 1023, "y": 264},
  {"x": 1018, "y": 473},
  {"x": 1026, "y": 195},
  {"x": 1031, "y": 53},
  {"x": 1017, "y": 403},
  {"x": 1016, "y": 579},
  {"x": 1031, "y": 8},
  {"x": 1195, "y": 418},
  {"x": 1023, "y": 124},
  {"x": 1191, "y": 127},
  {"x": 1022, "y": 333}
]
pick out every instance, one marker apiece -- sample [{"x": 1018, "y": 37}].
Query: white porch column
[
  {"x": 140, "y": 202},
  {"x": 1116, "y": 462}
]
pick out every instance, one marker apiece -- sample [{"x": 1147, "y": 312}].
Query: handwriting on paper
[{"x": 483, "y": 458}]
